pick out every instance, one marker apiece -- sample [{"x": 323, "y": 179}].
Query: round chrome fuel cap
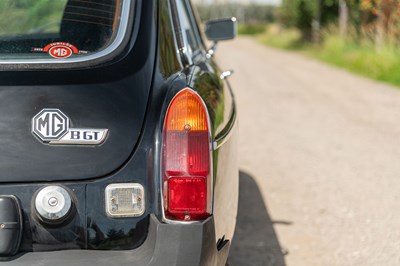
[{"x": 53, "y": 204}]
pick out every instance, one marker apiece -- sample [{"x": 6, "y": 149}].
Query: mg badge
[
  {"x": 53, "y": 127},
  {"x": 50, "y": 124}
]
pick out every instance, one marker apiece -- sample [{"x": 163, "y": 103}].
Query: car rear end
[{"x": 105, "y": 158}]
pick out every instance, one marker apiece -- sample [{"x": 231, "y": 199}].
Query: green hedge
[{"x": 251, "y": 29}]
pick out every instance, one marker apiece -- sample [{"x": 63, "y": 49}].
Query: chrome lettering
[
  {"x": 44, "y": 122},
  {"x": 75, "y": 134}
]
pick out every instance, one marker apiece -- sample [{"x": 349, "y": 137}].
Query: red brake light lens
[
  {"x": 187, "y": 196},
  {"x": 186, "y": 159}
]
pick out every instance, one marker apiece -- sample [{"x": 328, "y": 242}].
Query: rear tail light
[{"x": 186, "y": 159}]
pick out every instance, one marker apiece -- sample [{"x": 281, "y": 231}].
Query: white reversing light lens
[{"x": 125, "y": 200}]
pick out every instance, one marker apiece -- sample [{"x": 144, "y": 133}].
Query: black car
[{"x": 118, "y": 135}]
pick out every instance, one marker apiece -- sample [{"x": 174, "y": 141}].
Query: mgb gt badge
[{"x": 53, "y": 127}]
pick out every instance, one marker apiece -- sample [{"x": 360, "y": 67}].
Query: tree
[
  {"x": 343, "y": 18},
  {"x": 307, "y": 15},
  {"x": 385, "y": 20},
  {"x": 299, "y": 14}
]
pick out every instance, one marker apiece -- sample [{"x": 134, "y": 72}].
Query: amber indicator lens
[{"x": 186, "y": 113}]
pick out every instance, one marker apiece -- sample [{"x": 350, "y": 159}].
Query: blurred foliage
[
  {"x": 29, "y": 16},
  {"x": 252, "y": 18},
  {"x": 362, "y": 36},
  {"x": 381, "y": 19},
  {"x": 286, "y": 38},
  {"x": 357, "y": 55},
  {"x": 251, "y": 28},
  {"x": 303, "y": 14},
  {"x": 376, "y": 20},
  {"x": 361, "y": 58},
  {"x": 244, "y": 13}
]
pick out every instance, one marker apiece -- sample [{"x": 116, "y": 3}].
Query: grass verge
[
  {"x": 360, "y": 57},
  {"x": 251, "y": 29}
]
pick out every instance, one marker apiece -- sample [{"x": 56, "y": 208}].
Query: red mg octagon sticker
[{"x": 59, "y": 50}]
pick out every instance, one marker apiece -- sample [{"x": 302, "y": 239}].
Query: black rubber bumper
[{"x": 166, "y": 244}]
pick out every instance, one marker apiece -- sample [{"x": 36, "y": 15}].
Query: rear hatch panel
[{"x": 119, "y": 107}]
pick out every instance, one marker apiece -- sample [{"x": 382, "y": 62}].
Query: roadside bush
[
  {"x": 251, "y": 28},
  {"x": 253, "y": 14},
  {"x": 279, "y": 37},
  {"x": 357, "y": 55}
]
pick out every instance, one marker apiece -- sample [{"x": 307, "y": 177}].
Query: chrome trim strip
[
  {"x": 226, "y": 74},
  {"x": 96, "y": 137},
  {"x": 225, "y": 135},
  {"x": 123, "y": 25},
  {"x": 184, "y": 50}
]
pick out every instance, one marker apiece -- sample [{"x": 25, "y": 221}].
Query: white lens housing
[{"x": 125, "y": 200}]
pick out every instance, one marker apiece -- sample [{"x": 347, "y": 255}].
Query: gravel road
[{"x": 319, "y": 158}]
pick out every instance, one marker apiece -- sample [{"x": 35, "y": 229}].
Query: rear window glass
[{"x": 57, "y": 29}]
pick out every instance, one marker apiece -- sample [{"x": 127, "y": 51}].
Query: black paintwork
[
  {"x": 128, "y": 95},
  {"x": 109, "y": 97},
  {"x": 10, "y": 225},
  {"x": 166, "y": 244}
]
